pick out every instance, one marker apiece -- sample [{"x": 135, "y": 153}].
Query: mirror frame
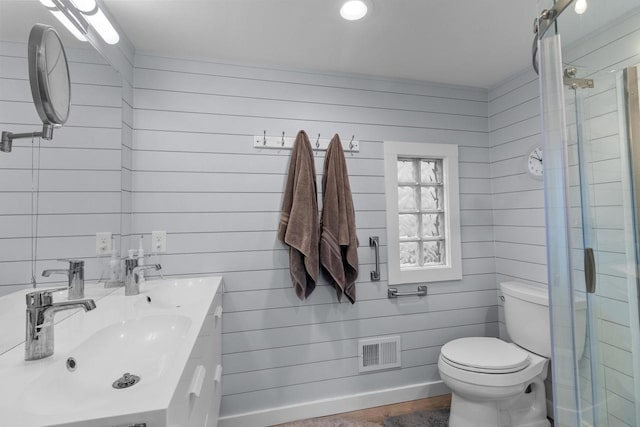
[{"x": 41, "y": 88}]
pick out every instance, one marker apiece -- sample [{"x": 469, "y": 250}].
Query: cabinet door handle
[
  {"x": 218, "y": 312},
  {"x": 218, "y": 376},
  {"x": 197, "y": 380}
]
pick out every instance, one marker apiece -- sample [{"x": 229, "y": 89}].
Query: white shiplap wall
[
  {"x": 518, "y": 202},
  {"x": 197, "y": 176},
  {"x": 517, "y": 198},
  {"x": 79, "y": 170},
  {"x": 126, "y": 196}
]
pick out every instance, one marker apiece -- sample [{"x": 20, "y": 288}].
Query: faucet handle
[
  {"x": 73, "y": 263},
  {"x": 42, "y": 297},
  {"x": 76, "y": 269},
  {"x": 130, "y": 263}
]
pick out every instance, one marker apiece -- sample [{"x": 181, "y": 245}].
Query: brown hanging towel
[
  {"x": 299, "y": 227},
  {"x": 338, "y": 240}
]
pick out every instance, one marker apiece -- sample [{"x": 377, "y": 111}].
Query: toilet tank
[{"x": 526, "y": 315}]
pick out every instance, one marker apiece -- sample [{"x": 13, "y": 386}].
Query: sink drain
[{"x": 125, "y": 381}]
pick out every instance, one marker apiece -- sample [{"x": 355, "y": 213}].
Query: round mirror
[{"x": 49, "y": 75}]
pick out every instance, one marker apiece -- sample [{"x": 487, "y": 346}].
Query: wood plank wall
[
  {"x": 197, "y": 175},
  {"x": 185, "y": 153},
  {"x": 80, "y": 170}
]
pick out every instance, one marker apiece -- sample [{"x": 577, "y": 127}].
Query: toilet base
[
  {"x": 524, "y": 410},
  {"x": 468, "y": 413},
  {"x": 486, "y": 414}
]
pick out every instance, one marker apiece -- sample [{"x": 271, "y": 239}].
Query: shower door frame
[
  {"x": 566, "y": 381},
  {"x": 631, "y": 86}
]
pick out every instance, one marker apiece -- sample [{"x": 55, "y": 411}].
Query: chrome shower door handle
[
  {"x": 590, "y": 270},
  {"x": 374, "y": 242}
]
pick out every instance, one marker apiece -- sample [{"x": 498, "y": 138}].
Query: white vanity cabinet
[
  {"x": 169, "y": 336},
  {"x": 196, "y": 401}
]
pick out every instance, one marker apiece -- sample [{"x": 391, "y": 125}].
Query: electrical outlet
[
  {"x": 158, "y": 242},
  {"x": 103, "y": 243}
]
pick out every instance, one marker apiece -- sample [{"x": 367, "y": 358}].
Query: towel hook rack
[{"x": 283, "y": 142}]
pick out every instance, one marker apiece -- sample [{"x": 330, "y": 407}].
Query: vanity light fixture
[
  {"x": 77, "y": 15},
  {"x": 64, "y": 20},
  {"x": 97, "y": 19},
  {"x": 85, "y": 6},
  {"x": 353, "y": 10},
  {"x": 581, "y": 7}
]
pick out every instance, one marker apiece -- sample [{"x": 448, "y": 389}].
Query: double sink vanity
[
  {"x": 151, "y": 359},
  {"x": 143, "y": 354}
]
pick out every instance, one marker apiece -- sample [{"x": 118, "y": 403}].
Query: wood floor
[{"x": 378, "y": 414}]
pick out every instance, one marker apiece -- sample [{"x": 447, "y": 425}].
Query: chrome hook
[
  {"x": 351, "y": 142},
  {"x": 264, "y": 138},
  {"x": 283, "y": 138},
  {"x": 318, "y": 142}
]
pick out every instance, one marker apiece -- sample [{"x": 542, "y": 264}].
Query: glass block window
[
  {"x": 421, "y": 215},
  {"x": 423, "y": 212}
]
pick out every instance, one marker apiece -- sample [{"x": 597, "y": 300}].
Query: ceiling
[
  {"x": 18, "y": 16},
  {"x": 464, "y": 42}
]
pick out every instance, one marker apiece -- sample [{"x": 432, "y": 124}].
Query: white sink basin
[
  {"x": 180, "y": 293},
  {"x": 144, "y": 347},
  {"x": 151, "y": 335}
]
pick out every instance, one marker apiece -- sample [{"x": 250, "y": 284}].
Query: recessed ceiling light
[
  {"x": 581, "y": 7},
  {"x": 353, "y": 10}
]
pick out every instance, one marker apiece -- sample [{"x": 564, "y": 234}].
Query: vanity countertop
[{"x": 150, "y": 335}]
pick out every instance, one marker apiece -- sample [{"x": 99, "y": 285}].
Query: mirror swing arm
[
  {"x": 49, "y": 81},
  {"x": 7, "y": 137}
]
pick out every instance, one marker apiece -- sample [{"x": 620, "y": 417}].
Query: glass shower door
[{"x": 603, "y": 246}]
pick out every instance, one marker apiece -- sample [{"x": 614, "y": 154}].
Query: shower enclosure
[{"x": 589, "y": 78}]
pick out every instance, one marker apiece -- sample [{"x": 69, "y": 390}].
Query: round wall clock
[{"x": 535, "y": 162}]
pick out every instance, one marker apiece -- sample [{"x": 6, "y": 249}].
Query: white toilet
[{"x": 500, "y": 384}]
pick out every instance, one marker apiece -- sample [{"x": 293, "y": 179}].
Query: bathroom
[{"x": 167, "y": 132}]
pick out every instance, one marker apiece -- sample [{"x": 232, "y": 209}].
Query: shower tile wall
[
  {"x": 80, "y": 169},
  {"x": 197, "y": 175}
]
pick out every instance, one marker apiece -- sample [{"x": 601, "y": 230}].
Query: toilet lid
[{"x": 482, "y": 354}]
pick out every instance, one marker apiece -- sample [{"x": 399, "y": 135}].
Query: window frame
[{"x": 452, "y": 269}]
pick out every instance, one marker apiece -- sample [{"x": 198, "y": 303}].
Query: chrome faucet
[
  {"x": 75, "y": 273},
  {"x": 40, "y": 312},
  {"x": 131, "y": 276}
]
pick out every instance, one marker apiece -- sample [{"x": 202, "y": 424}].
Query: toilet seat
[{"x": 485, "y": 355}]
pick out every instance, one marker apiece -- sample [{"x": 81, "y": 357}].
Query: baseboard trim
[{"x": 337, "y": 405}]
